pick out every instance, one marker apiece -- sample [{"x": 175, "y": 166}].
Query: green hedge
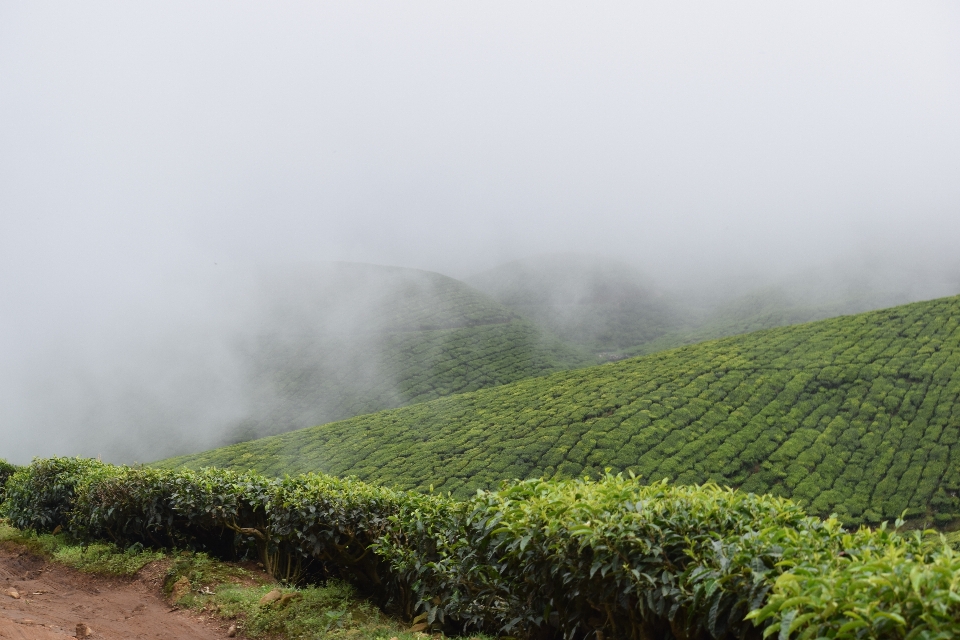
[
  {"x": 42, "y": 496},
  {"x": 609, "y": 558}
]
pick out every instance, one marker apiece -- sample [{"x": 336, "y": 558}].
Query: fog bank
[{"x": 717, "y": 149}]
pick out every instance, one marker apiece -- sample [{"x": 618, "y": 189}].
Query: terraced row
[{"x": 857, "y": 415}]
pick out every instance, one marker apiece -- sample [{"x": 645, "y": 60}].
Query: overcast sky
[{"x": 142, "y": 140}]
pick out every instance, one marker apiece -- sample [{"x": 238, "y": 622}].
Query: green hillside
[
  {"x": 767, "y": 308},
  {"x": 614, "y": 311},
  {"x": 598, "y": 304},
  {"x": 345, "y": 339},
  {"x": 857, "y": 415}
]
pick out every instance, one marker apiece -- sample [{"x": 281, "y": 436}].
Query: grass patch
[
  {"x": 333, "y": 610},
  {"x": 203, "y": 573},
  {"x": 101, "y": 557}
]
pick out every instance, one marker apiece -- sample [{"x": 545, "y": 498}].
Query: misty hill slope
[
  {"x": 857, "y": 415},
  {"x": 771, "y": 307},
  {"x": 345, "y": 339},
  {"x": 595, "y": 303},
  {"x": 613, "y": 311}
]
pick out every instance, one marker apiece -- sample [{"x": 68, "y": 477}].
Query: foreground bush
[
  {"x": 610, "y": 558},
  {"x": 6, "y": 470},
  {"x": 42, "y": 497}
]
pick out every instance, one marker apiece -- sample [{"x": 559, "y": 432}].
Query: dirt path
[{"x": 54, "y": 599}]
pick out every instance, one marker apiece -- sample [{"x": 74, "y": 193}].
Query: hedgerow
[
  {"x": 42, "y": 496},
  {"x": 611, "y": 558},
  {"x": 857, "y": 416}
]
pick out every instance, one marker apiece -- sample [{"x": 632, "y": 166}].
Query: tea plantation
[
  {"x": 312, "y": 382},
  {"x": 347, "y": 339},
  {"x": 598, "y": 304},
  {"x": 857, "y": 415},
  {"x": 606, "y": 558}
]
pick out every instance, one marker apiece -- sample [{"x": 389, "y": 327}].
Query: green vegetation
[
  {"x": 197, "y": 581},
  {"x": 332, "y": 610},
  {"x": 6, "y": 470},
  {"x": 354, "y": 339},
  {"x": 343, "y": 339},
  {"x": 609, "y": 558},
  {"x": 96, "y": 557},
  {"x": 764, "y": 309},
  {"x": 316, "y": 382},
  {"x": 856, "y": 415},
  {"x": 596, "y": 304}
]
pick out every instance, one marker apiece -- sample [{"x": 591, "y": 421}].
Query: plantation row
[
  {"x": 613, "y": 558},
  {"x": 313, "y": 382},
  {"x": 856, "y": 415},
  {"x": 442, "y": 363}
]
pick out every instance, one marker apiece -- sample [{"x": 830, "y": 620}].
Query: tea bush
[
  {"x": 41, "y": 496},
  {"x": 6, "y": 470},
  {"x": 612, "y": 558},
  {"x": 200, "y": 509},
  {"x": 858, "y": 416}
]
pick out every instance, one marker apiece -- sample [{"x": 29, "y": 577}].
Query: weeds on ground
[
  {"x": 101, "y": 557},
  {"x": 203, "y": 572},
  {"x": 330, "y": 611}
]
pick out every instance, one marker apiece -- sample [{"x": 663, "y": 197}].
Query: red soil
[{"x": 54, "y": 599}]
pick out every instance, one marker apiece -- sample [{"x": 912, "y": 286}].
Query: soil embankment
[{"x": 54, "y": 599}]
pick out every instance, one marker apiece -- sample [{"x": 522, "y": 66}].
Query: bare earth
[{"x": 54, "y": 599}]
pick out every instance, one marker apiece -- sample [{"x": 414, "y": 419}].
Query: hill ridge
[{"x": 342, "y": 339}]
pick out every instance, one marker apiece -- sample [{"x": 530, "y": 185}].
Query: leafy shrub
[
  {"x": 41, "y": 496},
  {"x": 335, "y": 522},
  {"x": 613, "y": 556},
  {"x": 202, "y": 510},
  {"x": 610, "y": 558},
  {"x": 881, "y": 585},
  {"x": 6, "y": 470}
]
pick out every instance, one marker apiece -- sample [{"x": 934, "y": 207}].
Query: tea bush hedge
[
  {"x": 857, "y": 415},
  {"x": 42, "y": 496},
  {"x": 611, "y": 558}
]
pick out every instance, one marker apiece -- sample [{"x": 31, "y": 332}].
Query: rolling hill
[
  {"x": 343, "y": 339},
  {"x": 765, "y": 308},
  {"x": 614, "y": 311},
  {"x": 598, "y": 304},
  {"x": 856, "y": 415}
]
